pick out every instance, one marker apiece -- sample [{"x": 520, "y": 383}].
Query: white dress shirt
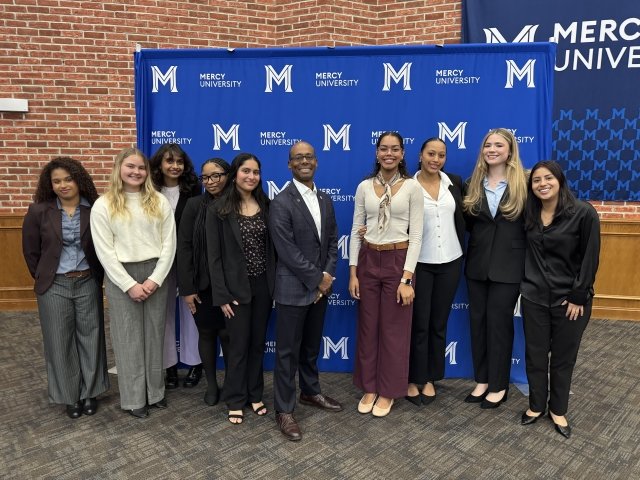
[{"x": 310, "y": 197}]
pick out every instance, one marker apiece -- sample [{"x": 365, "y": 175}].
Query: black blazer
[
  {"x": 227, "y": 264},
  {"x": 456, "y": 189},
  {"x": 302, "y": 255},
  {"x": 184, "y": 197},
  {"x": 496, "y": 247},
  {"x": 188, "y": 284},
  {"x": 42, "y": 243}
]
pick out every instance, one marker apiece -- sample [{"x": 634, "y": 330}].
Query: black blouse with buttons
[{"x": 562, "y": 259}]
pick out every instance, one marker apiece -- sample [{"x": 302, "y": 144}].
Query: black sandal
[
  {"x": 239, "y": 416},
  {"x": 259, "y": 409}
]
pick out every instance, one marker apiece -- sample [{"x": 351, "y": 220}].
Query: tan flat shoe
[
  {"x": 366, "y": 407},
  {"x": 381, "y": 412}
]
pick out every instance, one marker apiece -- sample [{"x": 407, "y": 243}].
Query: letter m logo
[
  {"x": 340, "y": 347},
  {"x": 283, "y": 76},
  {"x": 273, "y": 188},
  {"x": 164, "y": 78},
  {"x": 219, "y": 135},
  {"x": 526, "y": 35},
  {"x": 445, "y": 133},
  {"x": 403, "y": 74},
  {"x": 341, "y": 135},
  {"x": 514, "y": 71},
  {"x": 451, "y": 353},
  {"x": 343, "y": 247}
]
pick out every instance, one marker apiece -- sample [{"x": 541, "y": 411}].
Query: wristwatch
[{"x": 406, "y": 281}]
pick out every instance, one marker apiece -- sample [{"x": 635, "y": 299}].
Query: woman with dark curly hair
[
  {"x": 173, "y": 175},
  {"x": 58, "y": 249}
]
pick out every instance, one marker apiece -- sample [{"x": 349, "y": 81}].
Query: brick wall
[{"x": 73, "y": 62}]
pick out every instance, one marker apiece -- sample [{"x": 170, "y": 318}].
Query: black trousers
[
  {"x": 247, "y": 330},
  {"x": 552, "y": 342},
  {"x": 491, "y": 306},
  {"x": 436, "y": 286},
  {"x": 298, "y": 337},
  {"x": 211, "y": 326}
]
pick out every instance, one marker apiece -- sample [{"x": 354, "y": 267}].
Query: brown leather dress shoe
[
  {"x": 288, "y": 426},
  {"x": 320, "y": 401}
]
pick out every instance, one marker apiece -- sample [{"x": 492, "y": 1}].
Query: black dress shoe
[
  {"x": 321, "y": 401},
  {"x": 565, "y": 431},
  {"x": 426, "y": 399},
  {"x": 90, "y": 406},
  {"x": 486, "y": 404},
  {"x": 139, "y": 412},
  {"x": 212, "y": 398},
  {"x": 415, "y": 399},
  {"x": 288, "y": 426},
  {"x": 171, "y": 378},
  {"x": 528, "y": 420},
  {"x": 160, "y": 404},
  {"x": 473, "y": 399},
  {"x": 75, "y": 411},
  {"x": 193, "y": 377}
]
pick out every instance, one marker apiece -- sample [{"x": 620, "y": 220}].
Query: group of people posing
[{"x": 230, "y": 253}]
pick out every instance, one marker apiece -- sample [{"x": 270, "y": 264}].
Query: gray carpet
[{"x": 447, "y": 439}]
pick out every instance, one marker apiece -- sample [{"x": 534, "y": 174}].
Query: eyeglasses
[
  {"x": 385, "y": 149},
  {"x": 307, "y": 156},
  {"x": 214, "y": 177}
]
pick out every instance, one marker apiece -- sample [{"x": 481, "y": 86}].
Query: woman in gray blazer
[{"x": 59, "y": 252}]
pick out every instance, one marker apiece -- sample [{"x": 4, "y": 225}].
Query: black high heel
[
  {"x": 565, "y": 431},
  {"x": 486, "y": 404},
  {"x": 473, "y": 399},
  {"x": 416, "y": 400},
  {"x": 528, "y": 419}
]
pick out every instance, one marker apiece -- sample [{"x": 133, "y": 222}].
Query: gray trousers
[
  {"x": 72, "y": 322},
  {"x": 137, "y": 335}
]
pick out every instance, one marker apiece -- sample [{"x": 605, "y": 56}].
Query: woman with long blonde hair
[
  {"x": 493, "y": 206},
  {"x": 134, "y": 234}
]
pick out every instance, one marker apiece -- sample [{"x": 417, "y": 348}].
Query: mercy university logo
[
  {"x": 283, "y": 76},
  {"x": 341, "y": 135},
  {"x": 403, "y": 74},
  {"x": 231, "y": 135},
  {"x": 444, "y": 132},
  {"x": 164, "y": 78}
]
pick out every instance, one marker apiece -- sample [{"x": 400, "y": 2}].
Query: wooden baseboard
[{"x": 617, "y": 284}]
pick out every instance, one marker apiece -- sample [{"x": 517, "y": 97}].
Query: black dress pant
[
  {"x": 436, "y": 286},
  {"x": 552, "y": 342},
  {"x": 298, "y": 337},
  {"x": 211, "y": 326},
  {"x": 247, "y": 329},
  {"x": 491, "y": 306}
]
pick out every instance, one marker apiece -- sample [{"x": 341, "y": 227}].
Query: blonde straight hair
[
  {"x": 117, "y": 200},
  {"x": 512, "y": 206}
]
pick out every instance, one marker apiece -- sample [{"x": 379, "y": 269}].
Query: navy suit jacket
[
  {"x": 42, "y": 243},
  {"x": 302, "y": 255},
  {"x": 496, "y": 246}
]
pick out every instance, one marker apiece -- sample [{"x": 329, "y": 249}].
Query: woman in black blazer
[
  {"x": 493, "y": 205},
  {"x": 59, "y": 252},
  {"x": 194, "y": 283},
  {"x": 242, "y": 271},
  {"x": 173, "y": 175},
  {"x": 437, "y": 272}
]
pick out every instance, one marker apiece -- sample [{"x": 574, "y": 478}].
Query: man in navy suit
[{"x": 303, "y": 227}]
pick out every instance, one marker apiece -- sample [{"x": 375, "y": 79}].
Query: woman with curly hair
[
  {"x": 493, "y": 206},
  {"x": 135, "y": 237},
  {"x": 173, "y": 175},
  {"x": 59, "y": 252}
]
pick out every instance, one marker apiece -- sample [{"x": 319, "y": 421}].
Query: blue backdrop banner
[
  {"x": 222, "y": 102},
  {"x": 597, "y": 106}
]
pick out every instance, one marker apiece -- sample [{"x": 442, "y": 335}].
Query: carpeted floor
[{"x": 447, "y": 439}]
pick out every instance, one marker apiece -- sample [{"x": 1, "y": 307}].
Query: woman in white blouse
[
  {"x": 437, "y": 272},
  {"x": 389, "y": 203}
]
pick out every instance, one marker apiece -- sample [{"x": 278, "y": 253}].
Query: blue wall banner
[
  {"x": 597, "y": 106},
  {"x": 222, "y": 102}
]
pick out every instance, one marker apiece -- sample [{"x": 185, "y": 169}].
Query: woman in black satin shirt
[{"x": 563, "y": 247}]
